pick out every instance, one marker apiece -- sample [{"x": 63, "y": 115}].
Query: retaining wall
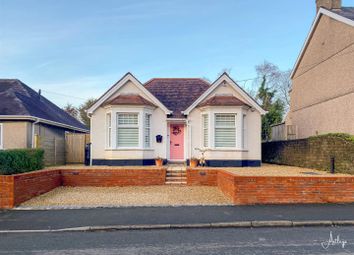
[
  {"x": 314, "y": 152},
  {"x": 15, "y": 189},
  {"x": 248, "y": 190}
]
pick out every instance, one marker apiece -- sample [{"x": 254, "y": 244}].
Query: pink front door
[{"x": 176, "y": 142}]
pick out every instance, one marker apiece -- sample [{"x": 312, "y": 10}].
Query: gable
[
  {"x": 128, "y": 84},
  {"x": 329, "y": 35},
  {"x": 224, "y": 85},
  {"x": 225, "y": 90},
  {"x": 129, "y": 88}
]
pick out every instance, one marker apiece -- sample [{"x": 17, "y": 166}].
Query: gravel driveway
[{"x": 129, "y": 196}]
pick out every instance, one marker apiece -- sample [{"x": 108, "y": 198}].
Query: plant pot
[
  {"x": 159, "y": 162},
  {"x": 193, "y": 163}
]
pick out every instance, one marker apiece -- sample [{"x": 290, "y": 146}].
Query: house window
[
  {"x": 244, "y": 132},
  {"x": 205, "y": 120},
  {"x": 109, "y": 130},
  {"x": 127, "y": 130},
  {"x": 1, "y": 137},
  {"x": 147, "y": 135},
  {"x": 225, "y": 130}
]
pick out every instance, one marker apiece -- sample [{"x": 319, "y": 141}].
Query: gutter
[
  {"x": 33, "y": 126},
  {"x": 41, "y": 120}
]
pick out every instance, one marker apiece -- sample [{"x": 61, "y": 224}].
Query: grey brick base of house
[{"x": 149, "y": 162}]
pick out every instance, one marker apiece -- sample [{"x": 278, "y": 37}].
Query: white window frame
[
  {"x": 1, "y": 136},
  {"x": 128, "y": 126},
  {"x": 235, "y": 127},
  {"x": 244, "y": 132},
  {"x": 109, "y": 130},
  {"x": 147, "y": 130},
  {"x": 205, "y": 130}
]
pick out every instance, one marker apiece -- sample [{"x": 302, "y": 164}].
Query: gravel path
[{"x": 129, "y": 196}]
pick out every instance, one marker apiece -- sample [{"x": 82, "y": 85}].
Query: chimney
[{"x": 329, "y": 4}]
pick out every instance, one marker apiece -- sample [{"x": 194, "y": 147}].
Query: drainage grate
[{"x": 310, "y": 173}]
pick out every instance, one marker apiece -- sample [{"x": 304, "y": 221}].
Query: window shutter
[
  {"x": 128, "y": 130},
  {"x": 147, "y": 136},
  {"x": 244, "y": 132},
  {"x": 1, "y": 136},
  {"x": 205, "y": 118},
  {"x": 225, "y": 130},
  {"x": 108, "y": 130}
]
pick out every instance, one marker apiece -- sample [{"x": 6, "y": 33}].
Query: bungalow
[
  {"x": 26, "y": 114},
  {"x": 176, "y": 119}
]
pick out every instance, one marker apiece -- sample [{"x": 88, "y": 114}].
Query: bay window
[
  {"x": 127, "y": 130},
  {"x": 225, "y": 130}
]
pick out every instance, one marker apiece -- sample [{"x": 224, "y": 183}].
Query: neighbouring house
[
  {"x": 29, "y": 120},
  {"x": 322, "y": 95},
  {"x": 175, "y": 119}
]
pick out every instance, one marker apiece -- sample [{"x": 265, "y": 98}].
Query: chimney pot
[{"x": 329, "y": 4}]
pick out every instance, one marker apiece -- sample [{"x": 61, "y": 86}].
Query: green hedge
[
  {"x": 20, "y": 160},
  {"x": 343, "y": 136}
]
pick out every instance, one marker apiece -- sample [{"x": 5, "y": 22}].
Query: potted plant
[
  {"x": 159, "y": 161},
  {"x": 193, "y": 162}
]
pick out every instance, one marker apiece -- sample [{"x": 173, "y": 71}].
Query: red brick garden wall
[
  {"x": 113, "y": 177},
  {"x": 246, "y": 190},
  {"x": 15, "y": 189},
  {"x": 28, "y": 185},
  {"x": 18, "y": 188},
  {"x": 6, "y": 191},
  {"x": 198, "y": 176}
]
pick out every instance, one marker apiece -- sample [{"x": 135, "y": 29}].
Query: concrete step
[
  {"x": 175, "y": 183},
  {"x": 177, "y": 174},
  {"x": 176, "y": 179}
]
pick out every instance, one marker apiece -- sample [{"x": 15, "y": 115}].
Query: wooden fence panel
[
  {"x": 75, "y": 147},
  {"x": 54, "y": 150},
  {"x": 284, "y": 132}
]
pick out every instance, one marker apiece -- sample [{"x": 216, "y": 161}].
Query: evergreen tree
[{"x": 275, "y": 109}]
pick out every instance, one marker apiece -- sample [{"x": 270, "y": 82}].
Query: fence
[
  {"x": 54, "y": 149},
  {"x": 75, "y": 147},
  {"x": 282, "y": 132}
]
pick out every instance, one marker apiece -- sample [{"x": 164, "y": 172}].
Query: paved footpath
[{"x": 71, "y": 218}]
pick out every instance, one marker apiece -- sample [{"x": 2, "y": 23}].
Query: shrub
[
  {"x": 343, "y": 136},
  {"x": 20, "y": 160}
]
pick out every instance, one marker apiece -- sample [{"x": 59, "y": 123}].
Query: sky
[{"x": 76, "y": 49}]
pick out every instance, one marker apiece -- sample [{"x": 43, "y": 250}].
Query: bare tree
[
  {"x": 275, "y": 79},
  {"x": 83, "y": 111},
  {"x": 72, "y": 110}
]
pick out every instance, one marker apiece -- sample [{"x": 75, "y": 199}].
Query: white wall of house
[{"x": 248, "y": 136}]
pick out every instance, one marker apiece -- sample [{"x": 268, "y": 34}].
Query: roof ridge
[{"x": 183, "y": 78}]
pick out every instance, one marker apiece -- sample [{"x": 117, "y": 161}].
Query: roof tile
[
  {"x": 220, "y": 100},
  {"x": 16, "y": 98},
  {"x": 177, "y": 94},
  {"x": 130, "y": 99}
]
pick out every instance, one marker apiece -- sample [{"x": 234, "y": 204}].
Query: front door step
[{"x": 176, "y": 174}]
